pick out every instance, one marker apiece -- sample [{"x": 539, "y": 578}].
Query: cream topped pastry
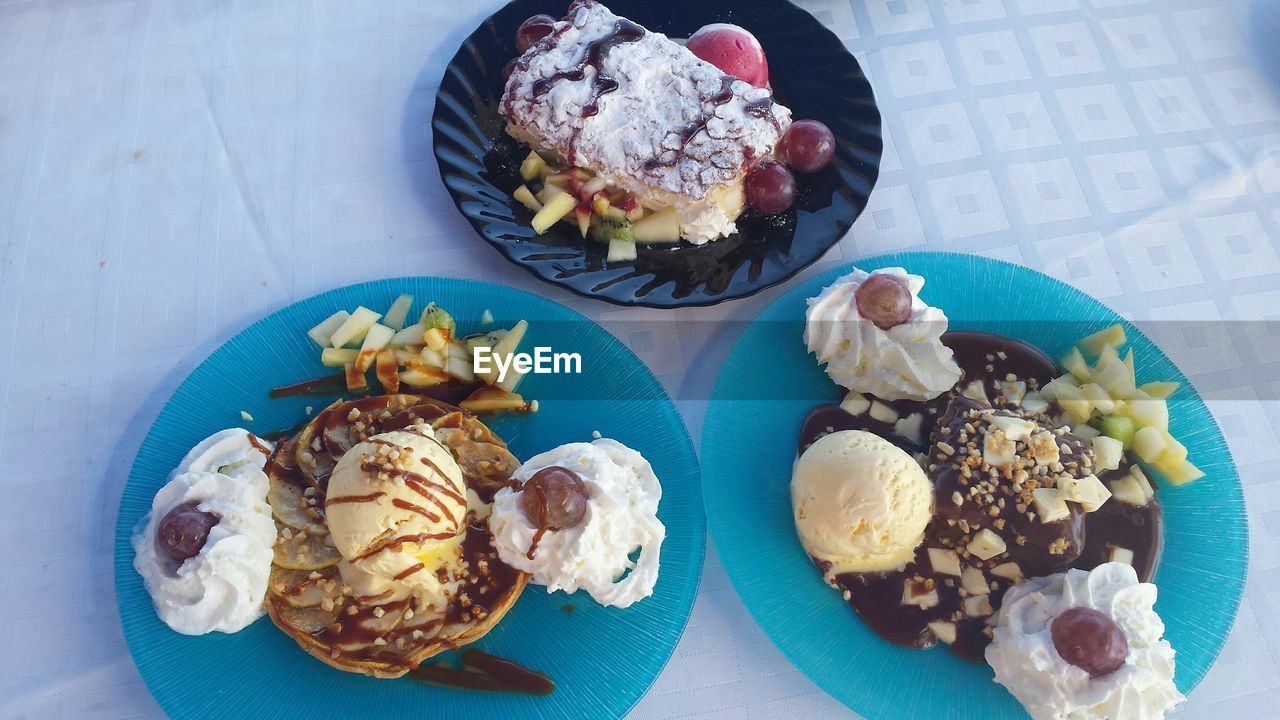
[
  {"x": 204, "y": 551},
  {"x": 574, "y": 517},
  {"x": 876, "y": 336},
  {"x": 1084, "y": 645}
]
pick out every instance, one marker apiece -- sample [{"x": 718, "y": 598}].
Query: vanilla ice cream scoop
[
  {"x": 861, "y": 503},
  {"x": 396, "y": 507}
]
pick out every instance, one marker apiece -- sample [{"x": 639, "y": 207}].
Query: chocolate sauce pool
[{"x": 1088, "y": 539}]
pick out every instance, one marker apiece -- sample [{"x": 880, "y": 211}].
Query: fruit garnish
[
  {"x": 183, "y": 531},
  {"x": 607, "y": 229},
  {"x": 733, "y": 50},
  {"x": 1089, "y": 640},
  {"x": 532, "y": 30},
  {"x": 884, "y": 300},
  {"x": 770, "y": 188},
  {"x": 807, "y": 146},
  {"x": 555, "y": 498}
]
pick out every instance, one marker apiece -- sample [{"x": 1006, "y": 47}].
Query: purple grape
[
  {"x": 183, "y": 531},
  {"x": 1090, "y": 640},
  {"x": 770, "y": 188},
  {"x": 555, "y": 498},
  {"x": 884, "y": 300},
  {"x": 807, "y": 146}
]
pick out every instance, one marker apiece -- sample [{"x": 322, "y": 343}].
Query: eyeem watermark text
[{"x": 542, "y": 362}]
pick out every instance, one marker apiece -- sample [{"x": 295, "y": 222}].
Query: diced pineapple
[
  {"x": 1174, "y": 451},
  {"x": 1160, "y": 390},
  {"x": 1116, "y": 379},
  {"x": 1128, "y": 490},
  {"x": 436, "y": 338},
  {"x": 584, "y": 221},
  {"x": 594, "y": 185},
  {"x": 660, "y": 227},
  {"x": 1178, "y": 473},
  {"x": 1075, "y": 364},
  {"x": 526, "y": 198},
  {"x": 323, "y": 332},
  {"x": 398, "y": 312},
  {"x": 600, "y": 204},
  {"x": 431, "y": 358},
  {"x": 556, "y": 208},
  {"x": 1149, "y": 412},
  {"x": 1149, "y": 443},
  {"x": 422, "y": 377},
  {"x": 532, "y": 166},
  {"x": 364, "y": 360},
  {"x": 354, "y": 328},
  {"x": 388, "y": 370},
  {"x": 558, "y": 180},
  {"x": 1093, "y": 344},
  {"x": 1131, "y": 367},
  {"x": 460, "y": 368},
  {"x": 338, "y": 357}
]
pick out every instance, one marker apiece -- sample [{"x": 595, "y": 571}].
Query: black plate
[{"x": 811, "y": 73}]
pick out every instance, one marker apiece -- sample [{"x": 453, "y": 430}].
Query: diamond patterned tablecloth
[{"x": 171, "y": 171}]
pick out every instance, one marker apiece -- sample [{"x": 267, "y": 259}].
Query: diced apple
[
  {"x": 621, "y": 251},
  {"x": 1116, "y": 379},
  {"x": 398, "y": 312},
  {"x": 1160, "y": 390},
  {"x": 1098, "y": 397},
  {"x": 882, "y": 412},
  {"x": 1149, "y": 412},
  {"x": 1128, "y": 490},
  {"x": 490, "y": 399},
  {"x": 1179, "y": 473},
  {"x": 1075, "y": 364},
  {"x": 323, "y": 332},
  {"x": 1174, "y": 451},
  {"x": 594, "y": 185},
  {"x": 1120, "y": 555},
  {"x": 526, "y": 198},
  {"x": 388, "y": 370},
  {"x": 532, "y": 166},
  {"x": 1072, "y": 401},
  {"x": 459, "y": 368},
  {"x": 1119, "y": 427},
  {"x": 855, "y": 403},
  {"x": 1130, "y": 365},
  {"x": 365, "y": 359},
  {"x": 431, "y": 358},
  {"x": 551, "y": 213},
  {"x": 355, "y": 378},
  {"x": 354, "y": 328},
  {"x": 338, "y": 357},
  {"x": 1149, "y": 443},
  {"x": 1107, "y": 452},
  {"x": 1113, "y": 336},
  {"x": 660, "y": 227},
  {"x": 1088, "y": 491},
  {"x": 377, "y": 337},
  {"x": 411, "y": 335}
]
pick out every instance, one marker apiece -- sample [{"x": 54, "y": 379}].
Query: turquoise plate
[
  {"x": 602, "y": 659},
  {"x": 1200, "y": 578}
]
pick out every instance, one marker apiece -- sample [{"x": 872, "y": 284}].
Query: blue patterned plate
[
  {"x": 602, "y": 659},
  {"x": 1200, "y": 578}
]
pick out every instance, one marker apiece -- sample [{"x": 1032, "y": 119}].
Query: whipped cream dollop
[
  {"x": 1027, "y": 663},
  {"x": 623, "y": 494},
  {"x": 905, "y": 362},
  {"x": 222, "y": 587}
]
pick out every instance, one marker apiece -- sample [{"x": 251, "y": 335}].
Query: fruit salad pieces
[
  {"x": 965, "y": 471},
  {"x": 422, "y": 355},
  {"x": 637, "y": 139}
]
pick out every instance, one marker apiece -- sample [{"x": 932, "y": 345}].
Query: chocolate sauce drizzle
[{"x": 482, "y": 671}]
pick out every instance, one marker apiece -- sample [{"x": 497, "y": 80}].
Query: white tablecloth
[{"x": 172, "y": 171}]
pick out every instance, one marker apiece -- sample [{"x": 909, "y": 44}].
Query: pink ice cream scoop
[{"x": 732, "y": 49}]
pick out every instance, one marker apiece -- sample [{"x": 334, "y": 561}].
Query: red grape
[
  {"x": 884, "y": 300},
  {"x": 1090, "y": 640},
  {"x": 183, "y": 531},
  {"x": 533, "y": 30},
  {"x": 770, "y": 188},
  {"x": 555, "y": 498},
  {"x": 807, "y": 146}
]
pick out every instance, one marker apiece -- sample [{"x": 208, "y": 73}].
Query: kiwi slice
[{"x": 607, "y": 229}]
